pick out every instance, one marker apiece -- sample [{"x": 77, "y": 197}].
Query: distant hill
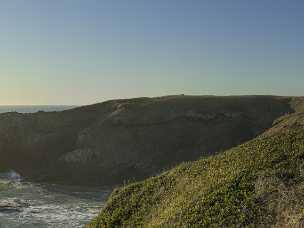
[
  {"x": 257, "y": 184},
  {"x": 123, "y": 140}
]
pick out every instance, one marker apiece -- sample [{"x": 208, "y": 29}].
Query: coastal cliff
[{"x": 122, "y": 140}]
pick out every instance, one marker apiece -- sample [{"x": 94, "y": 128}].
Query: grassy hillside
[{"x": 259, "y": 183}]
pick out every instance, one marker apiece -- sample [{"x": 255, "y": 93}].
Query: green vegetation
[{"x": 259, "y": 183}]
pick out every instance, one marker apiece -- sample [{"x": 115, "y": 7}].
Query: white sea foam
[{"x": 48, "y": 205}]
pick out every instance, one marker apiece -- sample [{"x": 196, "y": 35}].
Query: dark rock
[{"x": 120, "y": 140}]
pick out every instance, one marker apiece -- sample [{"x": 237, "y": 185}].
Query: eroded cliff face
[{"x": 120, "y": 140}]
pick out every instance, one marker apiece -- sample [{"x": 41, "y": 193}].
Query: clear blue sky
[{"x": 85, "y": 51}]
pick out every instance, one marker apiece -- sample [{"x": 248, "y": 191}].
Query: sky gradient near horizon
[{"x": 86, "y": 51}]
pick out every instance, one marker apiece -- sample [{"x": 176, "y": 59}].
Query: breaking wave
[{"x": 29, "y": 205}]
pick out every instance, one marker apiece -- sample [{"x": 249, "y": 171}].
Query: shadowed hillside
[
  {"x": 119, "y": 140},
  {"x": 257, "y": 184}
]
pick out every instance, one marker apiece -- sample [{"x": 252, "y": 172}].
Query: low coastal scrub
[{"x": 259, "y": 183}]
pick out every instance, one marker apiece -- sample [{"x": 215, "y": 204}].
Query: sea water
[
  {"x": 33, "y": 108},
  {"x": 32, "y": 205}
]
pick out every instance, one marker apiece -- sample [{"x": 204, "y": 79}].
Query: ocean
[
  {"x": 40, "y": 205},
  {"x": 34, "y": 108},
  {"x": 26, "y": 204}
]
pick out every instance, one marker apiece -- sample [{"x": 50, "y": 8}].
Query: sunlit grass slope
[{"x": 259, "y": 183}]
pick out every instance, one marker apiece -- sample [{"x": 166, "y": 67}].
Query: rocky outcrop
[{"x": 130, "y": 139}]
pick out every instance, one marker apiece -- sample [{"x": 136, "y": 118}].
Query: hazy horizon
[
  {"x": 118, "y": 98},
  {"x": 83, "y": 52},
  {"x": 34, "y": 108},
  {"x": 101, "y": 101}
]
